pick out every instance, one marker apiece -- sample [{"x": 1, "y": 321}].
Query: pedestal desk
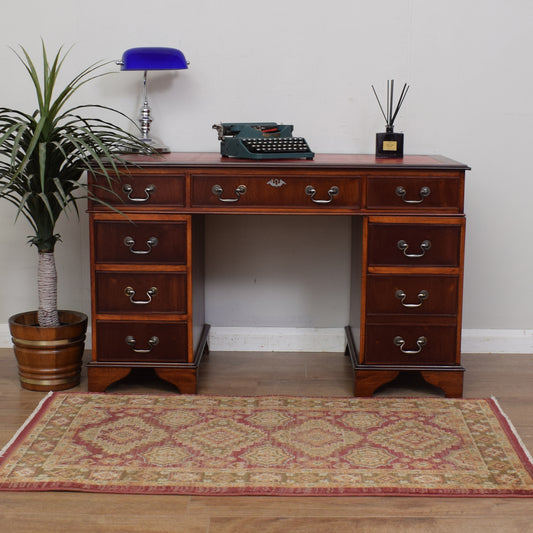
[{"x": 407, "y": 259}]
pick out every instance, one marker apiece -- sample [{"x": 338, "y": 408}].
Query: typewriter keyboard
[{"x": 277, "y": 145}]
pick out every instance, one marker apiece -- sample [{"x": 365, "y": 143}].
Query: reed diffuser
[{"x": 390, "y": 144}]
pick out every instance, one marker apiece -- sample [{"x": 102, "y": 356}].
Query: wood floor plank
[
  {"x": 358, "y": 507},
  {"x": 92, "y": 503},
  {"x": 368, "y": 525},
  {"x": 106, "y": 523}
]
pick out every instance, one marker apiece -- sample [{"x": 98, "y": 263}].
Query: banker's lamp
[{"x": 151, "y": 58}]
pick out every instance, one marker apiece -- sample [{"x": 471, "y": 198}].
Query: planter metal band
[{"x": 51, "y": 343}]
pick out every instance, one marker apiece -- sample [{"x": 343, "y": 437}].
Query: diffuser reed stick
[{"x": 390, "y": 115}]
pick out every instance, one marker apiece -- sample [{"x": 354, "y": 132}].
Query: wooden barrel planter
[{"x": 49, "y": 359}]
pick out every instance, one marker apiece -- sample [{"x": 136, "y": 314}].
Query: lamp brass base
[{"x": 157, "y": 145}]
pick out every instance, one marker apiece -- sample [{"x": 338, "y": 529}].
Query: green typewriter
[{"x": 261, "y": 140}]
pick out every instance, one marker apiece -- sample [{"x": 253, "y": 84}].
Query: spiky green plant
[{"x": 45, "y": 153}]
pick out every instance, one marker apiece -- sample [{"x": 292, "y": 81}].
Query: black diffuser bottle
[{"x": 390, "y": 144}]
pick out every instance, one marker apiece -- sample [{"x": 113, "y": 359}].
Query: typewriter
[{"x": 261, "y": 140}]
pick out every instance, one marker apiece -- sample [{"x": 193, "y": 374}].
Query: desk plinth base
[
  {"x": 368, "y": 378},
  {"x": 103, "y": 375},
  {"x": 182, "y": 375}
]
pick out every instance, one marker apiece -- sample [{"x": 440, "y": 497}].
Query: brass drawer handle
[
  {"x": 421, "y": 342},
  {"x": 130, "y": 243},
  {"x": 128, "y": 189},
  {"x": 422, "y": 296},
  {"x": 424, "y": 193},
  {"x": 332, "y": 192},
  {"x": 131, "y": 342},
  {"x": 217, "y": 190},
  {"x": 129, "y": 291},
  {"x": 424, "y": 246}
]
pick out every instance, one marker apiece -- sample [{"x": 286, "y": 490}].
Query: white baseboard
[
  {"x": 497, "y": 341},
  {"x": 518, "y": 341},
  {"x": 276, "y": 339}
]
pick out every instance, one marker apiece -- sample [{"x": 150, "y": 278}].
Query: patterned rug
[{"x": 188, "y": 444}]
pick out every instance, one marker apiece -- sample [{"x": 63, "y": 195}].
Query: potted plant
[{"x": 44, "y": 155}]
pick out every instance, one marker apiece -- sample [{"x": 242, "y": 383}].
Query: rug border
[
  {"x": 38, "y": 413},
  {"x": 512, "y": 434}
]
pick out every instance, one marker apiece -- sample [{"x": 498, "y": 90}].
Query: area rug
[{"x": 275, "y": 445}]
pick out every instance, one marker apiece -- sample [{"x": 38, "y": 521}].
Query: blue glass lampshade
[{"x": 153, "y": 58}]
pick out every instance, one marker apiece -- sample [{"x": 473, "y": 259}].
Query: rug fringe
[
  {"x": 525, "y": 451},
  {"x": 4, "y": 450}
]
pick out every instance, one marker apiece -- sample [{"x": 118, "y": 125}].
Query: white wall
[{"x": 309, "y": 63}]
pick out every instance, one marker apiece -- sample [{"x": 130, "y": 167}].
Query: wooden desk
[{"x": 408, "y": 242}]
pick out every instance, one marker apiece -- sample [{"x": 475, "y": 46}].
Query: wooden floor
[{"x": 507, "y": 377}]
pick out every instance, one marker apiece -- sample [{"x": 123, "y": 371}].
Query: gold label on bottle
[{"x": 390, "y": 146}]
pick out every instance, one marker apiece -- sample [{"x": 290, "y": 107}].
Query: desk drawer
[
  {"x": 138, "y": 188},
  {"x": 142, "y": 341},
  {"x": 415, "y": 193},
  {"x": 142, "y": 242},
  {"x": 126, "y": 292},
  {"x": 276, "y": 192},
  {"x": 391, "y": 244},
  {"x": 410, "y": 344},
  {"x": 412, "y": 295}
]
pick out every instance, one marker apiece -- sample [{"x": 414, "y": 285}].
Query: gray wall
[{"x": 309, "y": 63}]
